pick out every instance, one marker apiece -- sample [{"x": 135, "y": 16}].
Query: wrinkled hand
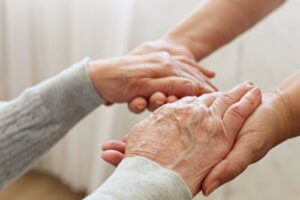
[
  {"x": 191, "y": 135},
  {"x": 266, "y": 127},
  {"x": 123, "y": 79},
  {"x": 178, "y": 52}
]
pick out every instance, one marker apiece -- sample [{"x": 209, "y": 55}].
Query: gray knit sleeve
[
  {"x": 138, "y": 178},
  {"x": 32, "y": 123},
  {"x": 2, "y": 103}
]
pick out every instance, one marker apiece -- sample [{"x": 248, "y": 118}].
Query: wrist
[
  {"x": 292, "y": 111},
  {"x": 198, "y": 49},
  {"x": 279, "y": 127},
  {"x": 281, "y": 110},
  {"x": 100, "y": 73}
]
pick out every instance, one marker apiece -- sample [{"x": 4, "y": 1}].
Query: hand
[
  {"x": 122, "y": 79},
  {"x": 191, "y": 135},
  {"x": 178, "y": 52},
  {"x": 265, "y": 128}
]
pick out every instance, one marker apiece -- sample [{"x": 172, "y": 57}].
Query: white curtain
[{"x": 40, "y": 38}]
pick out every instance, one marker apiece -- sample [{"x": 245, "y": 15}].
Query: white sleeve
[{"x": 138, "y": 178}]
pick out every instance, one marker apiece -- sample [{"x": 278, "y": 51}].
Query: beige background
[{"x": 40, "y": 38}]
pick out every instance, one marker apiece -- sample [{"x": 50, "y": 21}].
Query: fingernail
[
  {"x": 140, "y": 107},
  {"x": 212, "y": 187},
  {"x": 159, "y": 102},
  {"x": 255, "y": 91},
  {"x": 249, "y": 84}
]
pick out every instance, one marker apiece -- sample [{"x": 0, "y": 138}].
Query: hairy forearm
[
  {"x": 217, "y": 22},
  {"x": 289, "y": 90}
]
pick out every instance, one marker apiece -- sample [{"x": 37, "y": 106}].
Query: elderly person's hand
[
  {"x": 191, "y": 135},
  {"x": 123, "y": 79},
  {"x": 180, "y": 53}
]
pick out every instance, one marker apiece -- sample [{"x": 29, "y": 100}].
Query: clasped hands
[{"x": 207, "y": 140}]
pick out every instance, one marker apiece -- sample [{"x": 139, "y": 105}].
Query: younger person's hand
[{"x": 121, "y": 80}]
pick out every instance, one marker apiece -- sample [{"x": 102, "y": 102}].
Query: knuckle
[
  {"x": 184, "y": 110},
  {"x": 184, "y": 59},
  {"x": 167, "y": 65},
  {"x": 250, "y": 101},
  {"x": 226, "y": 98},
  {"x": 163, "y": 56},
  {"x": 260, "y": 148},
  {"x": 237, "y": 167},
  {"x": 237, "y": 112}
]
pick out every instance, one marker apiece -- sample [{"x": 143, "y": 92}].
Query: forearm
[
  {"x": 289, "y": 91},
  {"x": 139, "y": 178},
  {"x": 32, "y": 123},
  {"x": 217, "y": 22}
]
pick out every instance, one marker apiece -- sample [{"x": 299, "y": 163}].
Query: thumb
[
  {"x": 177, "y": 86},
  {"x": 229, "y": 168}
]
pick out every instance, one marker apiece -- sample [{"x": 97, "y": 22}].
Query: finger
[
  {"x": 187, "y": 100},
  {"x": 208, "y": 99},
  {"x": 236, "y": 115},
  {"x": 235, "y": 163},
  {"x": 137, "y": 105},
  {"x": 171, "y": 99},
  {"x": 156, "y": 100},
  {"x": 225, "y": 100},
  {"x": 125, "y": 138},
  {"x": 112, "y": 157},
  {"x": 211, "y": 84},
  {"x": 177, "y": 86},
  {"x": 193, "y": 74},
  {"x": 208, "y": 73},
  {"x": 114, "y": 145},
  {"x": 107, "y": 103}
]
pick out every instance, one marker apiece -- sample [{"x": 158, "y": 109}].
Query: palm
[{"x": 263, "y": 130}]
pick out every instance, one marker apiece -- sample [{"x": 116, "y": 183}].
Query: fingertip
[
  {"x": 112, "y": 157},
  {"x": 210, "y": 74},
  {"x": 202, "y": 89},
  {"x": 107, "y": 103},
  {"x": 125, "y": 139},
  {"x": 114, "y": 145},
  {"x": 138, "y": 105},
  {"x": 212, "y": 187},
  {"x": 156, "y": 100},
  {"x": 171, "y": 99}
]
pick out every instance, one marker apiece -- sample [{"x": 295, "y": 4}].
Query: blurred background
[{"x": 38, "y": 39}]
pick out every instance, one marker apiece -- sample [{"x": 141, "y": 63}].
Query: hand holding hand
[
  {"x": 265, "y": 128},
  {"x": 191, "y": 135},
  {"x": 123, "y": 79},
  {"x": 178, "y": 52}
]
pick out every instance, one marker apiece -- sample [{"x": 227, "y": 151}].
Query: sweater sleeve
[
  {"x": 32, "y": 123},
  {"x": 2, "y": 103},
  {"x": 138, "y": 178}
]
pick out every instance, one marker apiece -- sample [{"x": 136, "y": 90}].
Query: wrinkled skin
[
  {"x": 267, "y": 127},
  {"x": 178, "y": 52},
  {"x": 191, "y": 135},
  {"x": 123, "y": 79}
]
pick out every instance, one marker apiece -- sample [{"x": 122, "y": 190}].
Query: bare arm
[
  {"x": 289, "y": 91},
  {"x": 217, "y": 22}
]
